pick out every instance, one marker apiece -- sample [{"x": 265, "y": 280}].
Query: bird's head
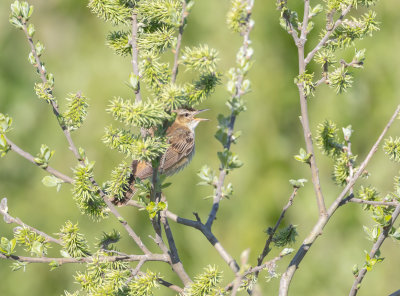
[{"x": 187, "y": 117}]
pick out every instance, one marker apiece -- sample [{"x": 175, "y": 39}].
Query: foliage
[
  {"x": 144, "y": 284},
  {"x": 33, "y": 243},
  {"x": 206, "y": 283},
  {"x": 74, "y": 243},
  {"x": 86, "y": 194},
  {"x": 76, "y": 111},
  {"x": 148, "y": 33}
]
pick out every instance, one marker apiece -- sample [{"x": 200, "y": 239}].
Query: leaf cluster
[
  {"x": 76, "y": 111},
  {"x": 104, "y": 278},
  {"x": 33, "y": 242},
  {"x": 330, "y": 144},
  {"x": 206, "y": 283},
  {"x": 74, "y": 243},
  {"x": 86, "y": 194}
]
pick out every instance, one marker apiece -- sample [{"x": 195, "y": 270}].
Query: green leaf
[
  {"x": 52, "y": 181},
  {"x": 4, "y": 147},
  {"x": 286, "y": 251},
  {"x": 19, "y": 265},
  {"x": 229, "y": 160},
  {"x": 53, "y": 265},
  {"x": 37, "y": 248},
  {"x": 5, "y": 123},
  {"x": 7, "y": 246},
  {"x": 153, "y": 208},
  {"x": 303, "y": 156},
  {"x": 298, "y": 183}
]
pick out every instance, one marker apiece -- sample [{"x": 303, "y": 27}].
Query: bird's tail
[{"x": 131, "y": 190}]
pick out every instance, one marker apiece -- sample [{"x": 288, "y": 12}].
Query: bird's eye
[{"x": 186, "y": 114}]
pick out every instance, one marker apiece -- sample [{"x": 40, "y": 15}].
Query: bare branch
[
  {"x": 31, "y": 158},
  {"x": 323, "y": 220},
  {"x": 374, "y": 250},
  {"x": 204, "y": 229},
  {"x": 270, "y": 265},
  {"x": 352, "y": 199},
  {"x": 135, "y": 55},
  {"x": 319, "y": 82},
  {"x": 179, "y": 41},
  {"x": 10, "y": 219},
  {"x": 60, "y": 261},
  {"x": 171, "y": 286},
  {"x": 175, "y": 260},
  {"x": 304, "y": 114},
  {"x": 304, "y": 25},
  {"x": 308, "y": 138}
]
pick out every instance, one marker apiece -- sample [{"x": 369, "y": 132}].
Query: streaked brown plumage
[{"x": 181, "y": 138}]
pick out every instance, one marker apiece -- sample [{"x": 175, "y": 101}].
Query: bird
[{"x": 181, "y": 140}]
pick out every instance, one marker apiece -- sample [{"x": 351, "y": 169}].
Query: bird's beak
[{"x": 199, "y": 111}]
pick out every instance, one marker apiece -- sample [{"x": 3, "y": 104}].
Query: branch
[
  {"x": 352, "y": 199},
  {"x": 171, "y": 286},
  {"x": 304, "y": 114},
  {"x": 60, "y": 261},
  {"x": 308, "y": 138},
  {"x": 67, "y": 133},
  {"x": 197, "y": 224},
  {"x": 125, "y": 224},
  {"x": 218, "y": 195},
  {"x": 374, "y": 250},
  {"x": 10, "y": 219},
  {"x": 209, "y": 235},
  {"x": 304, "y": 26},
  {"x": 266, "y": 249},
  {"x": 319, "y": 82},
  {"x": 42, "y": 72},
  {"x": 323, "y": 220},
  {"x": 135, "y": 58},
  {"x": 270, "y": 265},
  {"x": 327, "y": 35},
  {"x": 31, "y": 158},
  {"x": 175, "y": 260},
  {"x": 292, "y": 31},
  {"x": 179, "y": 42}
]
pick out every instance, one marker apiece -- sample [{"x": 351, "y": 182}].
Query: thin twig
[
  {"x": 319, "y": 82},
  {"x": 179, "y": 42},
  {"x": 327, "y": 35},
  {"x": 31, "y": 158},
  {"x": 60, "y": 261},
  {"x": 222, "y": 172},
  {"x": 374, "y": 250},
  {"x": 369, "y": 202},
  {"x": 266, "y": 249},
  {"x": 135, "y": 55},
  {"x": 10, "y": 219},
  {"x": 292, "y": 31},
  {"x": 304, "y": 25},
  {"x": 323, "y": 220},
  {"x": 270, "y": 265},
  {"x": 350, "y": 162}
]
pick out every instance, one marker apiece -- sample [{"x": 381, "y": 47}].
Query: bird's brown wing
[
  {"x": 181, "y": 142},
  {"x": 144, "y": 170}
]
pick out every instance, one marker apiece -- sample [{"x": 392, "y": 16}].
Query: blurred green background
[{"x": 272, "y": 134}]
